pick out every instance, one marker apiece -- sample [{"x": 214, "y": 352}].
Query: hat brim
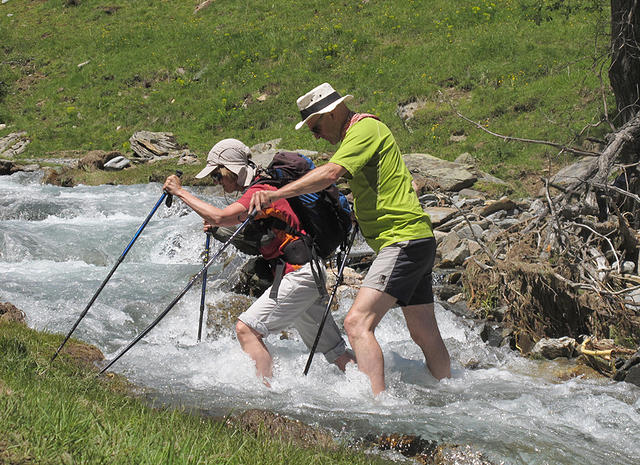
[
  {"x": 206, "y": 171},
  {"x": 245, "y": 173},
  {"x": 326, "y": 109}
]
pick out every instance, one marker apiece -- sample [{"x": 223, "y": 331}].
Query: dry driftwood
[{"x": 566, "y": 272}]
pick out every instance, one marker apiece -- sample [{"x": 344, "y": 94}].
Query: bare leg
[
  {"x": 423, "y": 327},
  {"x": 252, "y": 343},
  {"x": 360, "y": 323}
]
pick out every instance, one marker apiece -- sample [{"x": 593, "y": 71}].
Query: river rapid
[{"x": 58, "y": 244}]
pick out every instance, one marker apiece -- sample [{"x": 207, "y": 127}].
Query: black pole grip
[{"x": 169, "y": 199}]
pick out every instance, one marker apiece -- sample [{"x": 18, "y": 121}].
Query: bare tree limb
[{"x": 562, "y": 147}]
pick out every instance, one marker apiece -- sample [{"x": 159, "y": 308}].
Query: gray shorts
[
  {"x": 403, "y": 270},
  {"x": 298, "y": 305}
]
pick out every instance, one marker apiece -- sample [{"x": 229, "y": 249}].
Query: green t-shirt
[{"x": 385, "y": 203}]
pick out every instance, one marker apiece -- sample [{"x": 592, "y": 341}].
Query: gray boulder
[
  {"x": 152, "y": 146},
  {"x": 430, "y": 171},
  {"x": 13, "y": 144}
]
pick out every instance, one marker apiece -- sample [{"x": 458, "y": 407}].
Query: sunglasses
[{"x": 216, "y": 175}]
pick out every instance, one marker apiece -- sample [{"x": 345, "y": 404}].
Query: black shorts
[{"x": 403, "y": 270}]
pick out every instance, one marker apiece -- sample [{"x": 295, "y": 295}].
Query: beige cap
[{"x": 233, "y": 155}]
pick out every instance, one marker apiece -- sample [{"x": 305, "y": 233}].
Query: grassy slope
[
  {"x": 62, "y": 413},
  {"x": 522, "y": 67}
]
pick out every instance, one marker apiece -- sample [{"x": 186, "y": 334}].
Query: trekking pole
[
  {"x": 204, "y": 285},
  {"x": 164, "y": 196},
  {"x": 182, "y": 293},
  {"x": 333, "y": 293}
]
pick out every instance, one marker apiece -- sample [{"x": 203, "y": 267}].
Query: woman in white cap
[
  {"x": 391, "y": 220},
  {"x": 296, "y": 302}
]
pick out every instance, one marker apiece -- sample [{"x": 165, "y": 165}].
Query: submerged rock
[
  {"x": 223, "y": 314},
  {"x": 428, "y": 452}
]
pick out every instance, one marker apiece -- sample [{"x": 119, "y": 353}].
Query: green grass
[
  {"x": 525, "y": 68},
  {"x": 63, "y": 414}
]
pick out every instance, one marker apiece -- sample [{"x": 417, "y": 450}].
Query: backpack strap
[
  {"x": 277, "y": 277},
  {"x": 318, "y": 277}
]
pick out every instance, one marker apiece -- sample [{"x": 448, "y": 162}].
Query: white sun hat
[
  {"x": 233, "y": 155},
  {"x": 322, "y": 99}
]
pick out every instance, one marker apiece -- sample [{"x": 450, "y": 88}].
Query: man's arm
[
  {"x": 229, "y": 216},
  {"x": 314, "y": 181}
]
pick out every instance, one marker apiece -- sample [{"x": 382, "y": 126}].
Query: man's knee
[{"x": 353, "y": 325}]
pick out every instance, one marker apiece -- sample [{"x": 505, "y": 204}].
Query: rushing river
[{"x": 58, "y": 244}]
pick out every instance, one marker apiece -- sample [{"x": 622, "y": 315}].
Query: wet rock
[
  {"x": 223, "y": 314},
  {"x": 57, "y": 177},
  {"x": 459, "y": 308},
  {"x": 9, "y": 167},
  {"x": 446, "y": 291},
  {"x": 454, "y": 277},
  {"x": 407, "y": 444},
  {"x": 457, "y": 455},
  {"x": 553, "y": 348},
  {"x": 360, "y": 261},
  {"x": 9, "y": 312},
  {"x": 6, "y": 167},
  {"x": 524, "y": 342},
  {"x": 563, "y": 372},
  {"x": 629, "y": 371},
  {"x": 633, "y": 375},
  {"x": 254, "y": 278},
  {"x": 494, "y": 334},
  {"x": 428, "y": 452}
]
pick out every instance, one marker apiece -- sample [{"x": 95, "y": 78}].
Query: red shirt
[{"x": 279, "y": 209}]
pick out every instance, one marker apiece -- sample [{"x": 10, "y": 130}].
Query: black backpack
[{"x": 324, "y": 215}]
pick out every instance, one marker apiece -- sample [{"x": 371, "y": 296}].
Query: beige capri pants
[{"x": 297, "y": 305}]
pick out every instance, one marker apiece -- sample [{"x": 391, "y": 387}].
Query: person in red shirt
[{"x": 295, "y": 300}]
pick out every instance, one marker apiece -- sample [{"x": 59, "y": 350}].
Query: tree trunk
[{"x": 624, "y": 73}]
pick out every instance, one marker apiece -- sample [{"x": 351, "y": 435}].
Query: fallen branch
[{"x": 562, "y": 147}]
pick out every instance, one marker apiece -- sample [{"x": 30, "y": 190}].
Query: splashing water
[{"x": 58, "y": 244}]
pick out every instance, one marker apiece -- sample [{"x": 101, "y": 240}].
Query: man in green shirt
[{"x": 391, "y": 220}]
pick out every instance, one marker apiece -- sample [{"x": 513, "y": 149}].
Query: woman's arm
[{"x": 229, "y": 216}]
